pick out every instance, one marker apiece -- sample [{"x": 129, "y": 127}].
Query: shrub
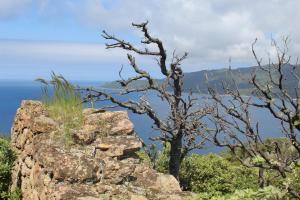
[
  {"x": 162, "y": 161},
  {"x": 267, "y": 193},
  {"x": 292, "y": 180},
  {"x": 214, "y": 174},
  {"x": 7, "y": 157},
  {"x": 143, "y": 157},
  {"x": 159, "y": 160},
  {"x": 15, "y": 195},
  {"x": 209, "y": 173},
  {"x": 222, "y": 177},
  {"x": 272, "y": 177}
]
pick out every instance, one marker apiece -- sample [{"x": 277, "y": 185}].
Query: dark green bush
[
  {"x": 214, "y": 174},
  {"x": 210, "y": 173},
  {"x": 156, "y": 159},
  {"x": 268, "y": 193},
  {"x": 162, "y": 162},
  {"x": 272, "y": 177},
  {"x": 221, "y": 177},
  {"x": 7, "y": 157}
]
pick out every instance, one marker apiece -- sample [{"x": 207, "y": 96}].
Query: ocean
[{"x": 12, "y": 93}]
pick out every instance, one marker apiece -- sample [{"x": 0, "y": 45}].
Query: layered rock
[{"x": 99, "y": 165}]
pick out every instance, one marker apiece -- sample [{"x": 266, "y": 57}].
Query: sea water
[{"x": 13, "y": 92}]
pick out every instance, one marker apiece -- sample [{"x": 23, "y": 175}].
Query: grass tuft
[{"x": 64, "y": 104}]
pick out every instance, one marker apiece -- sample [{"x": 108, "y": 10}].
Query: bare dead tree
[
  {"x": 235, "y": 129},
  {"x": 182, "y": 128}
]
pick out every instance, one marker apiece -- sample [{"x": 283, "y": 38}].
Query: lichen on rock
[{"x": 98, "y": 165}]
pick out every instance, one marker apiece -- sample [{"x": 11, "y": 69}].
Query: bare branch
[{"x": 183, "y": 127}]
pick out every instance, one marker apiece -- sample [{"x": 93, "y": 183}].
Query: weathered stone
[
  {"x": 116, "y": 172},
  {"x": 137, "y": 197},
  {"x": 86, "y": 135},
  {"x": 166, "y": 183},
  {"x": 112, "y": 123},
  {"x": 122, "y": 127},
  {"x": 22, "y": 132},
  {"x": 119, "y": 146},
  {"x": 97, "y": 118},
  {"x": 97, "y": 166},
  {"x": 146, "y": 176},
  {"x": 104, "y": 147},
  {"x": 29, "y": 162},
  {"x": 169, "y": 197},
  {"x": 72, "y": 192},
  {"x": 23, "y": 138},
  {"x": 89, "y": 111},
  {"x": 43, "y": 124},
  {"x": 68, "y": 167},
  {"x": 93, "y": 198}
]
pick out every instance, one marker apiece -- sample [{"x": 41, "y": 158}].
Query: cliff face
[{"x": 100, "y": 165}]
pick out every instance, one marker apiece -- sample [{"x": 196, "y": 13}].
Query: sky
[{"x": 64, "y": 36}]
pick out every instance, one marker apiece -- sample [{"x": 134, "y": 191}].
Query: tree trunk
[
  {"x": 175, "y": 156},
  {"x": 261, "y": 180}
]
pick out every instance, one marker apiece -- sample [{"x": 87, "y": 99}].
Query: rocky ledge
[{"x": 100, "y": 165}]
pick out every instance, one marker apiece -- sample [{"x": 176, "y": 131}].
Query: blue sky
[{"x": 40, "y": 36}]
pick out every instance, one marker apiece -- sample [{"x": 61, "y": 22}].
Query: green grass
[{"x": 64, "y": 104}]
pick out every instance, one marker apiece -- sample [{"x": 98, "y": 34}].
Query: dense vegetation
[
  {"x": 222, "y": 177},
  {"x": 7, "y": 157}
]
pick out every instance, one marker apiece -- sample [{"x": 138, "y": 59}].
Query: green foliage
[
  {"x": 158, "y": 160},
  {"x": 7, "y": 157},
  {"x": 152, "y": 153},
  {"x": 213, "y": 173},
  {"x": 222, "y": 177},
  {"x": 64, "y": 105},
  {"x": 209, "y": 173},
  {"x": 143, "y": 157},
  {"x": 154, "y": 158},
  {"x": 15, "y": 195},
  {"x": 267, "y": 193},
  {"x": 258, "y": 160},
  {"x": 162, "y": 162},
  {"x": 297, "y": 123},
  {"x": 292, "y": 180},
  {"x": 272, "y": 177}
]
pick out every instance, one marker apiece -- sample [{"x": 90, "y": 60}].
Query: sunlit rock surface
[{"x": 100, "y": 165}]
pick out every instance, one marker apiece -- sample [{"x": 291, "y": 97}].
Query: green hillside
[{"x": 200, "y": 80}]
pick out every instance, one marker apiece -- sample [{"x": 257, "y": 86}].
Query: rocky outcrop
[{"x": 99, "y": 165}]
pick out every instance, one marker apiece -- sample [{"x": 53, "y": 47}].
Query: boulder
[
  {"x": 99, "y": 164},
  {"x": 120, "y": 146}
]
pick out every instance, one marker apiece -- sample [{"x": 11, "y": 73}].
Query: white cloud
[
  {"x": 211, "y": 30},
  {"x": 55, "y": 52},
  {"x": 11, "y": 8},
  {"x": 80, "y": 61}
]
